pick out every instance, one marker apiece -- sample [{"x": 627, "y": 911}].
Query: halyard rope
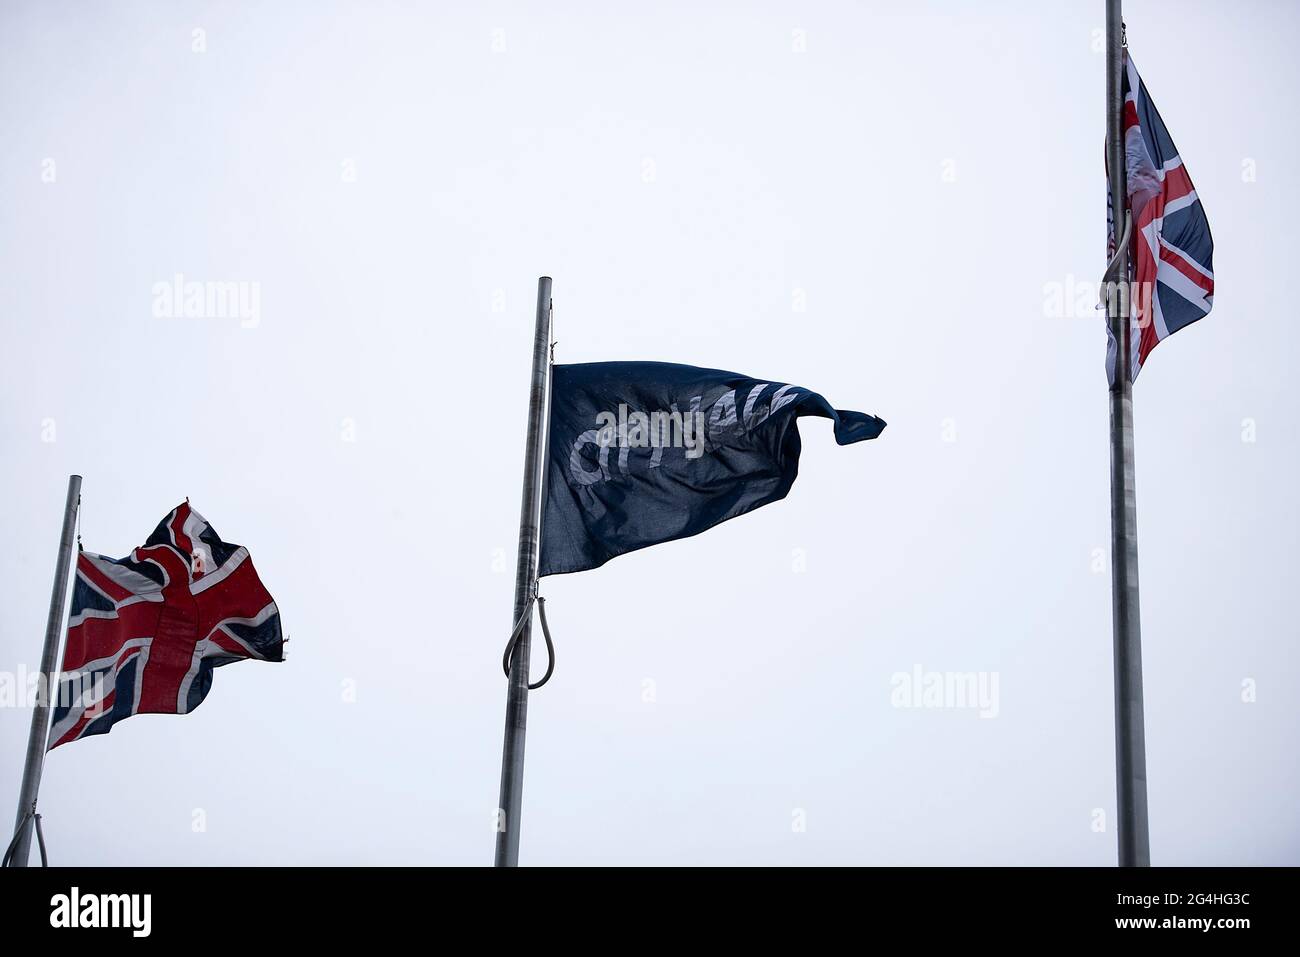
[{"x": 517, "y": 633}]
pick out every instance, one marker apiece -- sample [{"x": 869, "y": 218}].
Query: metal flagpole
[
  {"x": 1130, "y": 739},
  {"x": 512, "y": 756},
  {"x": 36, "y": 739}
]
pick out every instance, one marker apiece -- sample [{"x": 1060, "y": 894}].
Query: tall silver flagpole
[
  {"x": 512, "y": 757},
  {"x": 1130, "y": 738},
  {"x": 36, "y": 738}
]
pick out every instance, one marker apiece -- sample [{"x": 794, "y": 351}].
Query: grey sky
[{"x": 882, "y": 206}]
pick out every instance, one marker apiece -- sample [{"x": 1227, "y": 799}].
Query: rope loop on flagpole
[
  {"x": 1111, "y": 280},
  {"x": 40, "y": 840},
  {"x": 550, "y": 646},
  {"x": 13, "y": 845},
  {"x": 514, "y": 637},
  {"x": 508, "y": 655},
  {"x": 18, "y": 832}
]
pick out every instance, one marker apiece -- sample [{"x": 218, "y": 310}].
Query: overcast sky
[{"x": 899, "y": 206}]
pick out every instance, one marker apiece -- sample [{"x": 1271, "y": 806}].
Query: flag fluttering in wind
[
  {"x": 1171, "y": 246},
  {"x": 649, "y": 452},
  {"x": 146, "y": 631}
]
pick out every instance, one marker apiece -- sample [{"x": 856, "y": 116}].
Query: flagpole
[
  {"x": 36, "y": 738},
  {"x": 512, "y": 756},
  {"x": 1130, "y": 739}
]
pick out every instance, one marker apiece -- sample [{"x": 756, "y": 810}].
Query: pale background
[{"x": 884, "y": 217}]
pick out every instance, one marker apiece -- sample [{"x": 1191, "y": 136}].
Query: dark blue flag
[{"x": 648, "y": 452}]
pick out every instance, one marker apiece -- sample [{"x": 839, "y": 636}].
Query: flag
[
  {"x": 649, "y": 452},
  {"x": 1171, "y": 247},
  {"x": 145, "y": 631}
]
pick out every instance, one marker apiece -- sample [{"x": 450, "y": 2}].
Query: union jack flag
[
  {"x": 145, "y": 631},
  {"x": 1171, "y": 247}
]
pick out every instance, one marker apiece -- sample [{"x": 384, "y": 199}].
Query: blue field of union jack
[{"x": 146, "y": 631}]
